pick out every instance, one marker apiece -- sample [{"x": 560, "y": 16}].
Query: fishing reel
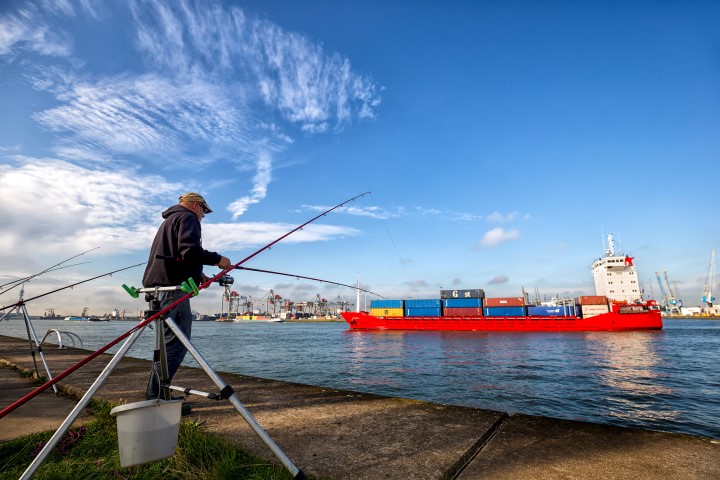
[{"x": 225, "y": 281}]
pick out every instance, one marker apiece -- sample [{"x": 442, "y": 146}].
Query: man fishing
[{"x": 176, "y": 255}]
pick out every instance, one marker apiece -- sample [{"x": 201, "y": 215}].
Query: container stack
[
  {"x": 592, "y": 305},
  {"x": 460, "y": 303},
  {"x": 504, "y": 307},
  {"x": 387, "y": 308},
  {"x": 423, "y": 308},
  {"x": 554, "y": 311}
]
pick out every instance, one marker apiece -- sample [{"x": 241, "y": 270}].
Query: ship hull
[{"x": 646, "y": 320}]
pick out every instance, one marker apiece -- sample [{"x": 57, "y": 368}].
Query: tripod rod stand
[
  {"x": 226, "y": 390},
  {"x": 32, "y": 336}
]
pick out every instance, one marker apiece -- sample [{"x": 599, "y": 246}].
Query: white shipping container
[{"x": 592, "y": 310}]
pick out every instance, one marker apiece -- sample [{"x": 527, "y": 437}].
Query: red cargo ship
[
  {"x": 617, "y": 306},
  {"x": 645, "y": 316}
]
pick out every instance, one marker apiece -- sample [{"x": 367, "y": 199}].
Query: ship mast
[{"x": 611, "y": 246}]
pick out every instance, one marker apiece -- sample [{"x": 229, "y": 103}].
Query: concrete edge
[{"x": 465, "y": 459}]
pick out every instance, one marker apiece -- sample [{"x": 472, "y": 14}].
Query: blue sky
[{"x": 500, "y": 141}]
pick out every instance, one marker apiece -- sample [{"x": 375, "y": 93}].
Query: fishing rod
[
  {"x": 21, "y": 302},
  {"x": 310, "y": 278},
  {"x": 46, "y": 270},
  {"x": 28, "y": 278},
  {"x": 160, "y": 313}
]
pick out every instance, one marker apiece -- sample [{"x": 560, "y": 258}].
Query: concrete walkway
[{"x": 348, "y": 435}]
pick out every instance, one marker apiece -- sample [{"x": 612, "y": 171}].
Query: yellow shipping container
[{"x": 386, "y": 312}]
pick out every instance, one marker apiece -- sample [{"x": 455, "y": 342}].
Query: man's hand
[{"x": 224, "y": 263}]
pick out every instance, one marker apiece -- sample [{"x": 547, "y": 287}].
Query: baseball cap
[{"x": 193, "y": 197}]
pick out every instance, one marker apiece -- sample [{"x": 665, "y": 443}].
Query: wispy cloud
[
  {"x": 140, "y": 116},
  {"x": 371, "y": 211},
  {"x": 381, "y": 213},
  {"x": 214, "y": 83},
  {"x": 260, "y": 183},
  {"x": 497, "y": 217},
  {"x": 499, "y": 279},
  {"x": 26, "y": 31},
  {"x": 310, "y": 87},
  {"x": 240, "y": 236},
  {"x": 496, "y": 236}
]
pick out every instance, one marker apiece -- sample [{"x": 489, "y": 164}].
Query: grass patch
[{"x": 92, "y": 452}]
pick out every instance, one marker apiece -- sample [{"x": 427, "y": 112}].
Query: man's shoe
[{"x": 186, "y": 409}]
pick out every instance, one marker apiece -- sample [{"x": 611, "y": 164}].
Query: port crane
[
  {"x": 707, "y": 294},
  {"x": 671, "y": 303}
]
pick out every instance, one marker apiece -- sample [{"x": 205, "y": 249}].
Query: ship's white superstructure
[{"x": 615, "y": 276}]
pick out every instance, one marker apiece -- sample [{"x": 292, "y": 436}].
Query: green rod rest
[
  {"x": 190, "y": 287},
  {"x": 131, "y": 290}
]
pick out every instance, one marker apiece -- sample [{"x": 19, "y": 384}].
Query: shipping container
[
  {"x": 592, "y": 310},
  {"x": 387, "y": 312},
  {"x": 462, "y": 302},
  {"x": 504, "y": 311},
  {"x": 462, "y": 312},
  {"x": 477, "y": 293},
  {"x": 504, "y": 302},
  {"x": 555, "y": 311},
  {"x": 422, "y": 311},
  {"x": 593, "y": 300},
  {"x": 386, "y": 304},
  {"x": 427, "y": 303}
]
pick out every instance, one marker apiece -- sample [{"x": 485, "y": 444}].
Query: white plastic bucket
[{"x": 147, "y": 430}]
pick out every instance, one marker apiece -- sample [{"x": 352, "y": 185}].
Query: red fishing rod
[
  {"x": 157, "y": 315},
  {"x": 309, "y": 278}
]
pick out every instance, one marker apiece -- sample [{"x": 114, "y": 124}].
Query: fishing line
[
  {"x": 392, "y": 241},
  {"x": 309, "y": 278},
  {"x": 157, "y": 315},
  {"x": 22, "y": 302},
  {"x": 47, "y": 269},
  {"x": 28, "y": 278}
]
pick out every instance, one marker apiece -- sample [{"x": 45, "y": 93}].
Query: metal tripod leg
[
  {"x": 31, "y": 330},
  {"x": 31, "y": 336},
  {"x": 296, "y": 472},
  {"x": 160, "y": 360},
  {"x": 57, "y": 436}
]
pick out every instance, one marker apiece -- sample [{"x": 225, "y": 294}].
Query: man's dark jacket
[{"x": 178, "y": 244}]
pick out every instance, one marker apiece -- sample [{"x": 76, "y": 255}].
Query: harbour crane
[
  {"x": 707, "y": 295},
  {"x": 670, "y": 301}
]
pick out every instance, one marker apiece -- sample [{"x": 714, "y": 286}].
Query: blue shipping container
[
  {"x": 386, "y": 304},
  {"x": 504, "y": 311},
  {"x": 426, "y": 303},
  {"x": 463, "y": 302},
  {"x": 422, "y": 311},
  {"x": 559, "y": 311}
]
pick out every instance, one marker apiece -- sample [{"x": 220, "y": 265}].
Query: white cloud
[
  {"x": 79, "y": 208},
  {"x": 208, "y": 69},
  {"x": 239, "y": 236},
  {"x": 498, "y": 280},
  {"x": 497, "y": 236},
  {"x": 25, "y": 31},
  {"x": 260, "y": 183},
  {"x": 144, "y": 115},
  {"x": 497, "y": 217},
  {"x": 311, "y": 88},
  {"x": 371, "y": 211}
]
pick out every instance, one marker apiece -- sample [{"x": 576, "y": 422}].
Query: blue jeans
[{"x": 174, "y": 349}]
